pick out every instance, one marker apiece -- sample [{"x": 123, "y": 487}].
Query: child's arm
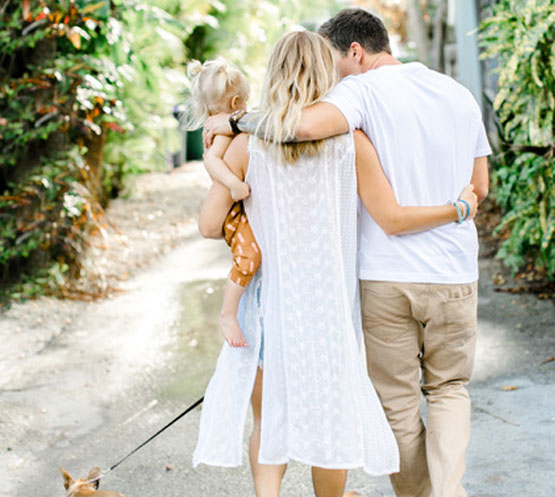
[
  {"x": 218, "y": 202},
  {"x": 377, "y": 196},
  {"x": 217, "y": 169}
]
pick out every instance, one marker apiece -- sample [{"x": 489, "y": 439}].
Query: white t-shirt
[{"x": 427, "y": 130}]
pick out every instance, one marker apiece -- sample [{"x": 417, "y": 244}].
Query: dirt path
[{"x": 82, "y": 383}]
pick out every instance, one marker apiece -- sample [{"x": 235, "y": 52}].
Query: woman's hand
[
  {"x": 216, "y": 125},
  {"x": 469, "y": 196}
]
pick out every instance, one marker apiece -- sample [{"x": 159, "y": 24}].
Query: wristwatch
[{"x": 234, "y": 119}]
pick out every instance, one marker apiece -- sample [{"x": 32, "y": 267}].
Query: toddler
[{"x": 219, "y": 86}]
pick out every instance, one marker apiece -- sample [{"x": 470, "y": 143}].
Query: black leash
[{"x": 186, "y": 411}]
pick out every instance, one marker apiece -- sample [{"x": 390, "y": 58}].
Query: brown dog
[{"x": 86, "y": 487}]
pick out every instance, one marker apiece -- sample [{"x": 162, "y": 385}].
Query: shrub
[
  {"x": 58, "y": 99},
  {"x": 521, "y": 37}
]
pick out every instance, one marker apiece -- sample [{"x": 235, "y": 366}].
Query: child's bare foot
[
  {"x": 240, "y": 191},
  {"x": 231, "y": 330}
]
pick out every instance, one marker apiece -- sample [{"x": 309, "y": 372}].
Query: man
[{"x": 419, "y": 291}]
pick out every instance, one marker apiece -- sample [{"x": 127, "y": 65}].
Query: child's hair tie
[{"x": 193, "y": 68}]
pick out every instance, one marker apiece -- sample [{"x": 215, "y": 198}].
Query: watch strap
[{"x": 234, "y": 119}]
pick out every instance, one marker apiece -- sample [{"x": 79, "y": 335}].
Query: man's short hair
[{"x": 358, "y": 25}]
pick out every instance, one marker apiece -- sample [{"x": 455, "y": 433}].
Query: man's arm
[
  {"x": 480, "y": 178},
  {"x": 379, "y": 199},
  {"x": 318, "y": 121}
]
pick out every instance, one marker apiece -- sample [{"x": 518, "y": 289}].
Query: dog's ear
[
  {"x": 94, "y": 473},
  {"x": 68, "y": 480}
]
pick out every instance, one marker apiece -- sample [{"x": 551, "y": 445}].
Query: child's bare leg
[{"x": 228, "y": 315}]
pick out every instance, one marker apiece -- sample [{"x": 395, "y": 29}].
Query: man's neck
[{"x": 373, "y": 61}]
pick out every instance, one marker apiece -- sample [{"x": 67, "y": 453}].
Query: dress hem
[
  {"x": 384, "y": 472},
  {"x": 220, "y": 464},
  {"x": 354, "y": 465}
]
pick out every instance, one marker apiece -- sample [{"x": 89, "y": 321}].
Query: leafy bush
[
  {"x": 47, "y": 219},
  {"x": 58, "y": 99},
  {"x": 521, "y": 37}
]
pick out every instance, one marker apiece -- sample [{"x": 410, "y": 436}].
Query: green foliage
[
  {"x": 49, "y": 215},
  {"x": 51, "y": 77},
  {"x": 150, "y": 59},
  {"x": 58, "y": 99},
  {"x": 245, "y": 32},
  {"x": 521, "y": 36}
]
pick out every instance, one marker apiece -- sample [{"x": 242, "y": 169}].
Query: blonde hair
[
  {"x": 300, "y": 72},
  {"x": 213, "y": 86}
]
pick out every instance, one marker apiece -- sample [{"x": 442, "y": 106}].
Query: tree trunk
[
  {"x": 419, "y": 30},
  {"x": 437, "y": 59},
  {"x": 95, "y": 146}
]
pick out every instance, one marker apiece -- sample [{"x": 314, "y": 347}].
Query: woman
[{"x": 311, "y": 397}]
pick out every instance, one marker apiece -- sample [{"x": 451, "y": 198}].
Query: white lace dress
[{"x": 318, "y": 404}]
